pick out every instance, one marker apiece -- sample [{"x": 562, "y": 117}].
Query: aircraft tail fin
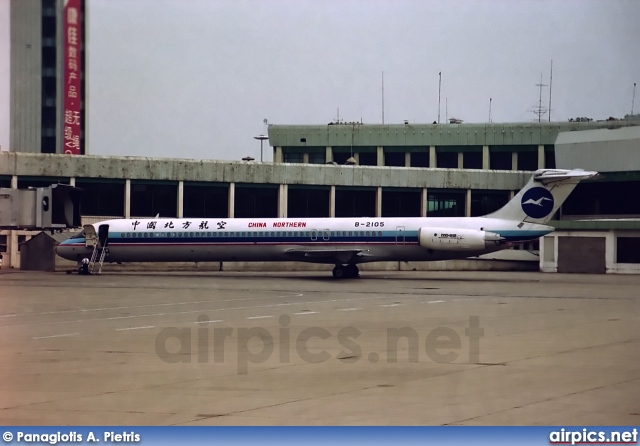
[{"x": 545, "y": 192}]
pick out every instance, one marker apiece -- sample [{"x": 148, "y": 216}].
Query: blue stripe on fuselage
[{"x": 408, "y": 237}]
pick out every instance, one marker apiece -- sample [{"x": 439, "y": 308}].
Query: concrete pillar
[
  {"x": 423, "y": 202},
  {"x": 549, "y": 254},
  {"x": 329, "y": 155},
  {"x": 610, "y": 251},
  {"x": 356, "y": 156},
  {"x": 485, "y": 158},
  {"x": 541, "y": 159},
  {"x": 379, "y": 201},
  {"x": 433, "y": 162},
  {"x": 305, "y": 158},
  {"x": 407, "y": 159},
  {"x": 232, "y": 199},
  {"x": 467, "y": 204},
  {"x": 514, "y": 160},
  {"x": 511, "y": 194},
  {"x": 332, "y": 202},
  {"x": 460, "y": 160},
  {"x": 72, "y": 182},
  {"x": 12, "y": 249},
  {"x": 277, "y": 155},
  {"x": 380, "y": 151},
  {"x": 127, "y": 198},
  {"x": 10, "y": 258},
  {"x": 283, "y": 200},
  {"x": 547, "y": 249},
  {"x": 180, "y": 199}
]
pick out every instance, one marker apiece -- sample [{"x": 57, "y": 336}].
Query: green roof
[{"x": 357, "y": 134}]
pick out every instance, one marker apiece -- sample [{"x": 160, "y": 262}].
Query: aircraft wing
[{"x": 330, "y": 255}]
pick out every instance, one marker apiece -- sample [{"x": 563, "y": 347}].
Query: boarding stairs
[
  {"x": 97, "y": 257},
  {"x": 99, "y": 245}
]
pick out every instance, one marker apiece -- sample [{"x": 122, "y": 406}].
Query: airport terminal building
[{"x": 354, "y": 169}]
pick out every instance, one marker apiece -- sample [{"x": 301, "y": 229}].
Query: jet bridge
[{"x": 41, "y": 208}]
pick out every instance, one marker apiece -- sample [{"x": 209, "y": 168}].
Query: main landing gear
[{"x": 345, "y": 271}]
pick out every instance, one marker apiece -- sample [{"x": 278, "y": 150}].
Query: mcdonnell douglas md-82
[{"x": 343, "y": 242}]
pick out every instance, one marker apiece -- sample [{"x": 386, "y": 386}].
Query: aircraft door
[
  {"x": 103, "y": 235},
  {"x": 90, "y": 236},
  {"x": 400, "y": 240},
  {"x": 314, "y": 235},
  {"x": 325, "y": 234}
]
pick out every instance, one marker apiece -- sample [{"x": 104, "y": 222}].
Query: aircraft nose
[{"x": 65, "y": 251}]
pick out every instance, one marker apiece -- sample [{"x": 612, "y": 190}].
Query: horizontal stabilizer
[{"x": 548, "y": 176}]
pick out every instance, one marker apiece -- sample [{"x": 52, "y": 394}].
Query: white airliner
[{"x": 343, "y": 242}]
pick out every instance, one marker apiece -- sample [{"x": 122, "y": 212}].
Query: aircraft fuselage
[{"x": 324, "y": 240}]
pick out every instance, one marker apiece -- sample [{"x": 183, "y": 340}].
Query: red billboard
[{"x": 72, "y": 68}]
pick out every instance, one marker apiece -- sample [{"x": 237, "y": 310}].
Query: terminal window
[
  {"x": 368, "y": 158},
  {"x": 317, "y": 158},
  {"x": 446, "y": 204},
  {"x": 420, "y": 159},
  {"x": 292, "y": 157},
  {"x": 628, "y": 250}
]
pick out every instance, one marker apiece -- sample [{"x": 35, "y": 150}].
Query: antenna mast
[
  {"x": 633, "y": 100},
  {"x": 490, "y": 110},
  {"x": 550, "y": 83},
  {"x": 383, "y": 98},
  {"x": 439, "y": 89},
  {"x": 540, "y": 110}
]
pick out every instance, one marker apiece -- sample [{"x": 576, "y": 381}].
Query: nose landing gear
[{"x": 345, "y": 271}]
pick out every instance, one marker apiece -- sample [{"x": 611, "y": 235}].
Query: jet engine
[{"x": 452, "y": 239}]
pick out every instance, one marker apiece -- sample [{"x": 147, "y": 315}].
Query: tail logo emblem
[{"x": 537, "y": 202}]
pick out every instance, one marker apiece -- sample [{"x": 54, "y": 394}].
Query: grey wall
[{"x": 26, "y": 79}]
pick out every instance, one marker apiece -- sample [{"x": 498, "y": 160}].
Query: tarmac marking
[
  {"x": 349, "y": 309},
  {"x": 306, "y": 312},
  {"x": 434, "y": 302},
  {"x": 252, "y": 307},
  {"x": 136, "y": 328},
  {"x": 87, "y": 310},
  {"x": 66, "y": 335},
  {"x": 389, "y": 305},
  {"x": 259, "y": 317}
]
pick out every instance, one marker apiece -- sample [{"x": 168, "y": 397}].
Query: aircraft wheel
[
  {"x": 352, "y": 271},
  {"x": 339, "y": 272}
]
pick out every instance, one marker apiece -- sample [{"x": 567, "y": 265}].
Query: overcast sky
[{"x": 196, "y": 78}]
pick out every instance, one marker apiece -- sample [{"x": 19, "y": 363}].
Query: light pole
[{"x": 261, "y": 138}]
